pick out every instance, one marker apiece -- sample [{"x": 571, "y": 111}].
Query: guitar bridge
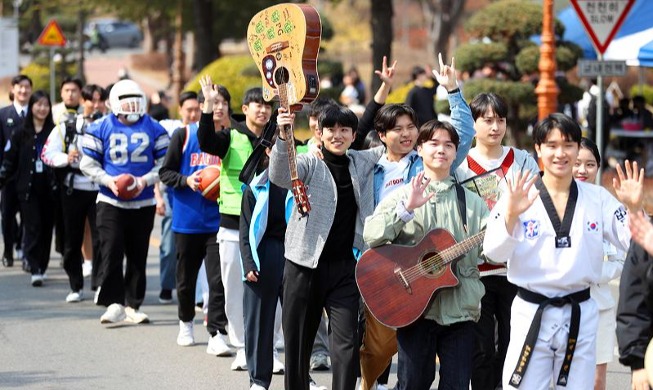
[{"x": 402, "y": 279}]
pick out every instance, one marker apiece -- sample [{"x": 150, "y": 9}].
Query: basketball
[
  {"x": 127, "y": 186},
  {"x": 210, "y": 182}
]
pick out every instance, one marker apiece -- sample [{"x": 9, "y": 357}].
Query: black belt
[{"x": 531, "y": 338}]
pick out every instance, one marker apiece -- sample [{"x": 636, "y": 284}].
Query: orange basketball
[
  {"x": 127, "y": 186},
  {"x": 210, "y": 182}
]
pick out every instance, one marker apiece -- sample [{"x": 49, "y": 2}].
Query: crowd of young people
[{"x": 530, "y": 301}]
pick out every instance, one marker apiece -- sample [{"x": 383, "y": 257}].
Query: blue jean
[
  {"x": 421, "y": 341},
  {"x": 167, "y": 250}
]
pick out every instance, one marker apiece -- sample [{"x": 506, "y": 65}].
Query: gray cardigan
[{"x": 305, "y": 237}]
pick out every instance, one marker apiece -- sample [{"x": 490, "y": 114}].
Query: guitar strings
[{"x": 440, "y": 259}]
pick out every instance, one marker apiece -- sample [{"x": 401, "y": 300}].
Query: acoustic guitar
[
  {"x": 397, "y": 282},
  {"x": 284, "y": 41}
]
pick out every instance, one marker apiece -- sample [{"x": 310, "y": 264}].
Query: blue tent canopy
[
  {"x": 639, "y": 19},
  {"x": 646, "y": 55}
]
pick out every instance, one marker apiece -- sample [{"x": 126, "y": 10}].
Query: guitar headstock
[{"x": 284, "y": 40}]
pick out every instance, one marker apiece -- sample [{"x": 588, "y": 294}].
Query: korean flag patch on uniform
[
  {"x": 531, "y": 228},
  {"x": 592, "y": 226}
]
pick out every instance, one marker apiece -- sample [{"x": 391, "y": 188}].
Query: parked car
[{"x": 109, "y": 33}]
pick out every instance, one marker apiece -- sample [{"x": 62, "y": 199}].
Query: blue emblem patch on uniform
[
  {"x": 531, "y": 228},
  {"x": 592, "y": 226}
]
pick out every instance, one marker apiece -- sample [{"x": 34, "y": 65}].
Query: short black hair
[
  {"x": 371, "y": 140},
  {"x": 68, "y": 80},
  {"x": 255, "y": 95},
  {"x": 222, "y": 90},
  {"x": 386, "y": 118},
  {"x": 588, "y": 144},
  {"x": 483, "y": 102},
  {"x": 568, "y": 127},
  {"x": 90, "y": 89},
  {"x": 429, "y": 128},
  {"x": 20, "y": 78},
  {"x": 337, "y": 115},
  {"x": 417, "y": 70},
  {"x": 187, "y": 95},
  {"x": 318, "y": 105}
]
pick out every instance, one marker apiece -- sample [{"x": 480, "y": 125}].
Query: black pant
[
  {"x": 421, "y": 341},
  {"x": 305, "y": 293},
  {"x": 38, "y": 220},
  {"x": 12, "y": 231},
  {"x": 259, "y": 307},
  {"x": 76, "y": 207},
  {"x": 490, "y": 352},
  {"x": 123, "y": 233},
  {"x": 192, "y": 249},
  {"x": 59, "y": 224}
]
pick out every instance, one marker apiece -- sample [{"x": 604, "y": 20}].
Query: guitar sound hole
[
  {"x": 431, "y": 264},
  {"x": 281, "y": 75}
]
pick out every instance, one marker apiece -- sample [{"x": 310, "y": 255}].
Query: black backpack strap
[{"x": 462, "y": 206}]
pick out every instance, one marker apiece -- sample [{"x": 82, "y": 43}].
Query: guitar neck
[
  {"x": 288, "y": 133},
  {"x": 455, "y": 251}
]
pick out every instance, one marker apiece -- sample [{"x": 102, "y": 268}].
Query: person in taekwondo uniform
[{"x": 553, "y": 263}]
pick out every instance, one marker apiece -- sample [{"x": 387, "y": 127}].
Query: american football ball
[
  {"x": 127, "y": 186},
  {"x": 210, "y": 182}
]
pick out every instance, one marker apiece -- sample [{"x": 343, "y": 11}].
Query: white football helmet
[{"x": 128, "y": 99}]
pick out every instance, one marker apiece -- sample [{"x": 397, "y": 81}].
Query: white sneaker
[
  {"x": 37, "y": 280},
  {"x": 218, "y": 346},
  {"x": 314, "y": 386},
  {"x": 136, "y": 317},
  {"x": 257, "y": 387},
  {"x": 277, "y": 365},
  {"x": 87, "y": 268},
  {"x": 75, "y": 296},
  {"x": 381, "y": 387},
  {"x": 240, "y": 362},
  {"x": 115, "y": 313},
  {"x": 185, "y": 337}
]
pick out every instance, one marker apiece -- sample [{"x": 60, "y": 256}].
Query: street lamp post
[{"x": 547, "y": 89}]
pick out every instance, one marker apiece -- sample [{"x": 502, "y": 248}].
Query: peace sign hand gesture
[
  {"x": 446, "y": 76},
  {"x": 387, "y": 74},
  {"x": 417, "y": 196}
]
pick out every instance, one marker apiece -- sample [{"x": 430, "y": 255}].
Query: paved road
[{"x": 47, "y": 343}]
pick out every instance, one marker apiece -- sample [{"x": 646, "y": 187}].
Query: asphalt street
[{"x": 46, "y": 343}]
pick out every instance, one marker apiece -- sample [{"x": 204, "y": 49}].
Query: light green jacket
[{"x": 450, "y": 305}]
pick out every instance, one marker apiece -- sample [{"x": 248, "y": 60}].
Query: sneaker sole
[
  {"x": 37, "y": 283},
  {"x": 131, "y": 321},
  {"x": 228, "y": 353},
  {"x": 165, "y": 301},
  {"x": 186, "y": 344}
]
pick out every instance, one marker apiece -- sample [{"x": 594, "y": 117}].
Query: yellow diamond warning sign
[{"x": 52, "y": 35}]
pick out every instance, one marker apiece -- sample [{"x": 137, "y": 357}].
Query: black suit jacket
[{"x": 10, "y": 121}]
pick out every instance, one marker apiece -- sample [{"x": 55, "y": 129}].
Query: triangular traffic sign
[
  {"x": 602, "y": 19},
  {"x": 52, "y": 35}
]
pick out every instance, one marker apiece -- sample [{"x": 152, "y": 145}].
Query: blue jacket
[
  {"x": 462, "y": 121},
  {"x": 260, "y": 187}
]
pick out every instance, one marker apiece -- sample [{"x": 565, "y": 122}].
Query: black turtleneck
[{"x": 340, "y": 242}]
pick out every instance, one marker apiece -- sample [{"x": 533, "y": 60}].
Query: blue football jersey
[{"x": 120, "y": 148}]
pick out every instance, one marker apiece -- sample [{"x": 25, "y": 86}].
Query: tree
[
  {"x": 382, "y": 35},
  {"x": 442, "y": 17},
  {"x": 502, "y": 58}
]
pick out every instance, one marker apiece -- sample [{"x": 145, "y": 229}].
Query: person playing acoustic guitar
[
  {"x": 398, "y": 128},
  {"x": 433, "y": 200},
  {"x": 551, "y": 237}
]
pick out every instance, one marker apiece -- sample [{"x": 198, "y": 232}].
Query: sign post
[
  {"x": 601, "y": 19},
  {"x": 52, "y": 36}
]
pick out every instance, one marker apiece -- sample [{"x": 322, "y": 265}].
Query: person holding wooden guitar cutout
[
  {"x": 320, "y": 263},
  {"x": 432, "y": 200}
]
